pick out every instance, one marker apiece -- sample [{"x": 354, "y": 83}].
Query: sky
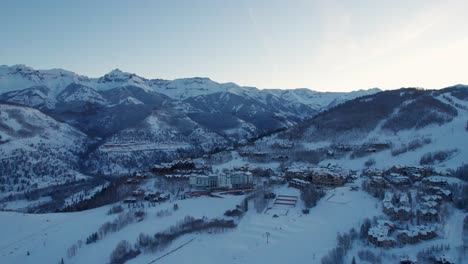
[{"x": 327, "y": 45}]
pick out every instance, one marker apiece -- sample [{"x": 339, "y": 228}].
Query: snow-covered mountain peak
[
  {"x": 131, "y": 101},
  {"x": 116, "y": 71},
  {"x": 457, "y": 86},
  {"x": 17, "y": 68},
  {"x": 21, "y": 70},
  {"x": 35, "y": 96},
  {"x": 80, "y": 93},
  {"x": 117, "y": 75},
  {"x": 19, "y": 77},
  {"x": 118, "y": 78},
  {"x": 195, "y": 82}
]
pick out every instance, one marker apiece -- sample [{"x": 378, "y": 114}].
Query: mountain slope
[
  {"x": 319, "y": 100},
  {"x": 273, "y": 114},
  {"x": 103, "y": 113},
  {"x": 36, "y": 150},
  {"x": 389, "y": 128},
  {"x": 163, "y": 136},
  {"x": 35, "y": 96},
  {"x": 133, "y": 121}
]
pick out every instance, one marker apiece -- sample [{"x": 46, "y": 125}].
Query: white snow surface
[{"x": 294, "y": 238}]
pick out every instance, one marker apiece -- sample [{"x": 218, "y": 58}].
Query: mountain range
[
  {"x": 58, "y": 126},
  {"x": 121, "y": 122}
]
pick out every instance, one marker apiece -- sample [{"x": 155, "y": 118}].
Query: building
[
  {"x": 378, "y": 182},
  {"x": 436, "y": 181},
  {"x": 231, "y": 180},
  {"x": 398, "y": 179},
  {"x": 203, "y": 181},
  {"x": 330, "y": 176},
  {"x": 236, "y": 180},
  {"x": 178, "y": 165},
  {"x": 298, "y": 183},
  {"x": 416, "y": 234},
  {"x": 380, "y": 235}
]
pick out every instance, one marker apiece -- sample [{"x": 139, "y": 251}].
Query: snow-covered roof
[
  {"x": 436, "y": 179},
  {"x": 415, "y": 231},
  {"x": 381, "y": 233}
]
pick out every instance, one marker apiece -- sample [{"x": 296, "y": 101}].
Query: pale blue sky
[{"x": 323, "y": 45}]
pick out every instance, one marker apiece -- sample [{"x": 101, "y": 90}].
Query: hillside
[
  {"x": 37, "y": 151},
  {"x": 120, "y": 111},
  {"x": 389, "y": 128}
]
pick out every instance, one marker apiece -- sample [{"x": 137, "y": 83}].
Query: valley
[{"x": 123, "y": 169}]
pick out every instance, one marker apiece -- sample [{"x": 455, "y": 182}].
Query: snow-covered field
[
  {"x": 48, "y": 236},
  {"x": 295, "y": 237},
  {"x": 22, "y": 204},
  {"x": 288, "y": 237}
]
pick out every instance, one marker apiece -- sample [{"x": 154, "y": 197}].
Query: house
[
  {"x": 130, "y": 201},
  {"x": 430, "y": 215},
  {"x": 414, "y": 173},
  {"x": 378, "y": 182},
  {"x": 138, "y": 193},
  {"x": 380, "y": 235},
  {"x": 442, "y": 192},
  {"x": 444, "y": 260},
  {"x": 328, "y": 179},
  {"x": 398, "y": 179},
  {"x": 434, "y": 197},
  {"x": 408, "y": 260},
  {"x": 371, "y": 172},
  {"x": 330, "y": 176},
  {"x": 277, "y": 180},
  {"x": 344, "y": 148},
  {"x": 404, "y": 213},
  {"x": 436, "y": 181},
  {"x": 401, "y": 210},
  {"x": 260, "y": 172},
  {"x": 177, "y": 177},
  {"x": 150, "y": 195},
  {"x": 388, "y": 206},
  {"x": 298, "y": 183},
  {"x": 297, "y": 172},
  {"x": 415, "y": 234}
]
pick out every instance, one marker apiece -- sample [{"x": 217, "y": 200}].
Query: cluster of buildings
[
  {"x": 397, "y": 207},
  {"x": 411, "y": 193},
  {"x": 400, "y": 176},
  {"x": 301, "y": 176},
  {"x": 415, "y": 234},
  {"x": 202, "y": 178},
  {"x": 153, "y": 197},
  {"x": 386, "y": 234}
]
